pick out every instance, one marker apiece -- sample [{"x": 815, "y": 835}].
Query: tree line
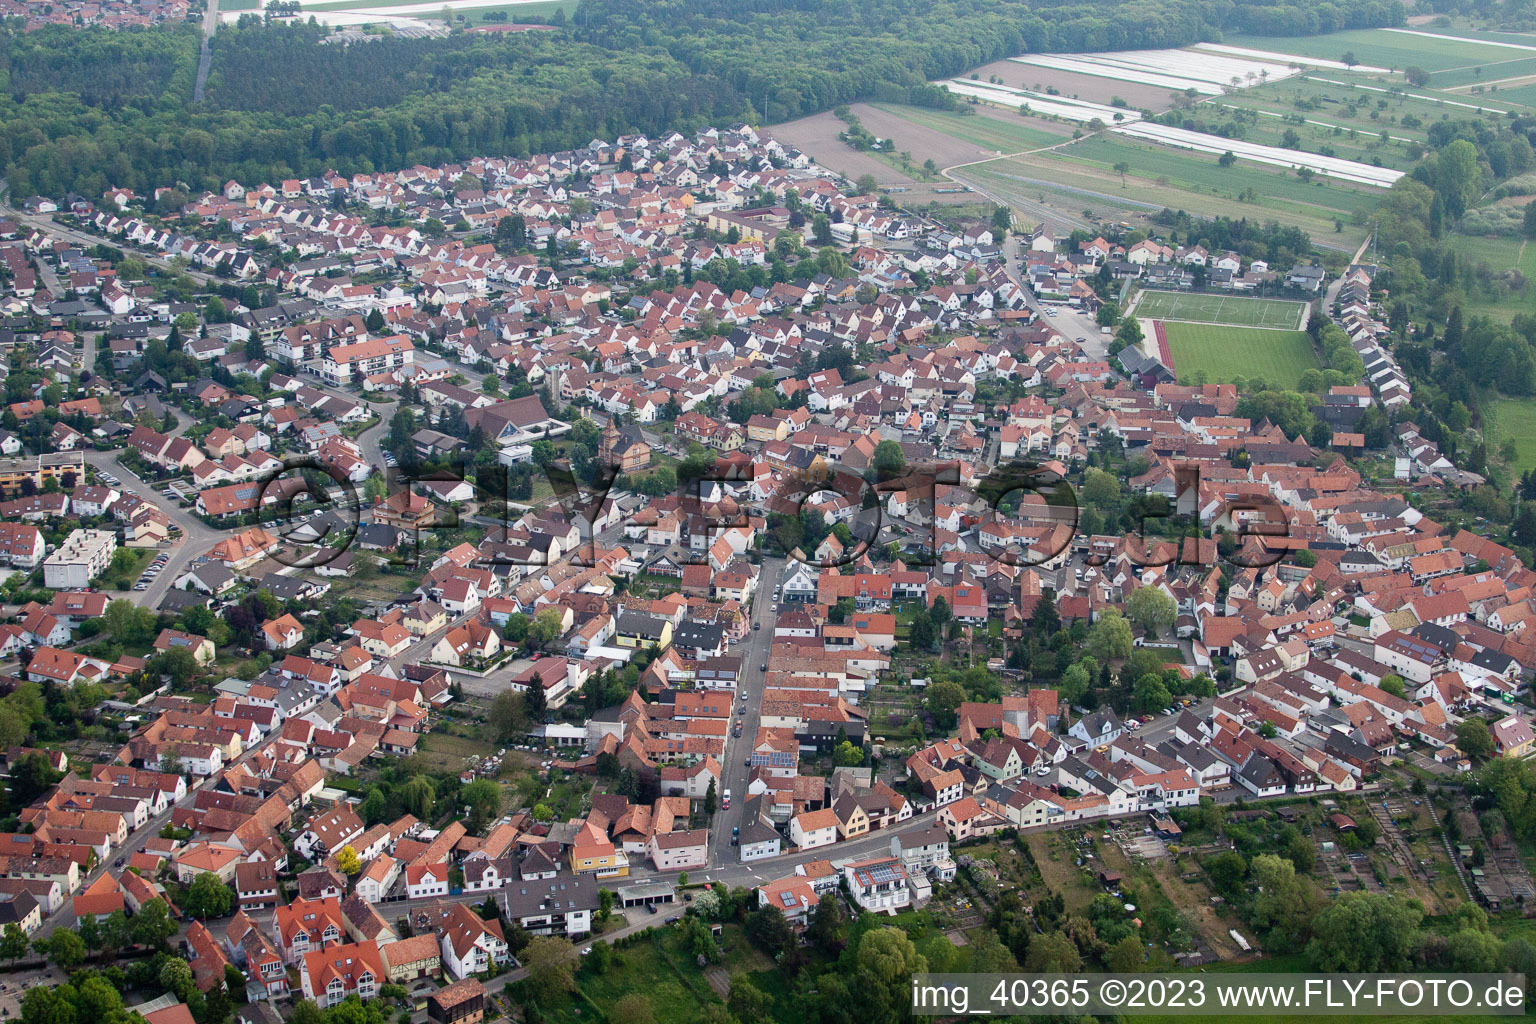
[{"x": 91, "y": 109}]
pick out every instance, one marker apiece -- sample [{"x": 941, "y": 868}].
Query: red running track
[{"x": 1163, "y": 352}]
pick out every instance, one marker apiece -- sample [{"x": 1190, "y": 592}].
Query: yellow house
[
  {"x": 1513, "y": 736},
  {"x": 593, "y": 853},
  {"x": 638, "y": 631},
  {"x": 201, "y": 647},
  {"x": 852, "y": 820},
  {"x": 424, "y": 618},
  {"x": 767, "y": 428}
]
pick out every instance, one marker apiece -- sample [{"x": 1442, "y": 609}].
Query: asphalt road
[
  {"x": 1067, "y": 321},
  {"x": 196, "y": 536},
  {"x": 46, "y": 223},
  {"x": 754, "y": 655}
]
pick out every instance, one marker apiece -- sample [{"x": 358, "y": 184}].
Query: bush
[{"x": 1497, "y": 221}]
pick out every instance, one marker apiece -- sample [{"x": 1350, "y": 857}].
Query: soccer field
[
  {"x": 1225, "y": 353},
  {"x": 1276, "y": 314}
]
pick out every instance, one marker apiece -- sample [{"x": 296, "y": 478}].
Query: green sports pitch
[
  {"x": 1226, "y": 353},
  {"x": 1275, "y": 314}
]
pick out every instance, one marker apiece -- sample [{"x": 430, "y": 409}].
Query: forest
[{"x": 90, "y": 109}]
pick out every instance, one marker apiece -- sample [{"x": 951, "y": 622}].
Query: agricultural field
[
  {"x": 1226, "y": 353},
  {"x": 817, "y": 136},
  {"x": 474, "y": 10},
  {"x": 1276, "y": 314},
  {"x": 1333, "y": 167},
  {"x": 1158, "y": 176},
  {"x": 1077, "y": 86},
  {"x": 1383, "y": 48},
  {"x": 1061, "y": 108},
  {"x": 1356, "y": 103},
  {"x": 1206, "y": 73},
  {"x": 922, "y": 142},
  {"x": 919, "y": 135},
  {"x": 1522, "y": 94},
  {"x": 1343, "y": 120},
  {"x": 1033, "y": 196},
  {"x": 998, "y": 133},
  {"x": 1352, "y": 140}
]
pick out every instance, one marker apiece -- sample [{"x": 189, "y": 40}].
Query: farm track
[
  {"x": 1040, "y": 209},
  {"x": 205, "y": 55}
]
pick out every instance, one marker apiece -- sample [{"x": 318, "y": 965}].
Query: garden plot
[
  {"x": 1039, "y": 103},
  {"x": 1206, "y": 73},
  {"x": 1333, "y": 167}
]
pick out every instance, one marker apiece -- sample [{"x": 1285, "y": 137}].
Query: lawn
[
  {"x": 1221, "y": 309},
  {"x": 1512, "y": 419},
  {"x": 1501, "y": 254},
  {"x": 123, "y": 578},
  {"x": 1225, "y": 353},
  {"x": 656, "y": 967},
  {"x": 446, "y": 752}
]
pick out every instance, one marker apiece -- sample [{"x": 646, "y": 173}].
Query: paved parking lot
[{"x": 15, "y": 987}]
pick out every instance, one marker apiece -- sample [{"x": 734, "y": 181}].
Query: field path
[
  {"x": 949, "y": 172},
  {"x": 205, "y": 56},
  {"x": 1517, "y": 80}
]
